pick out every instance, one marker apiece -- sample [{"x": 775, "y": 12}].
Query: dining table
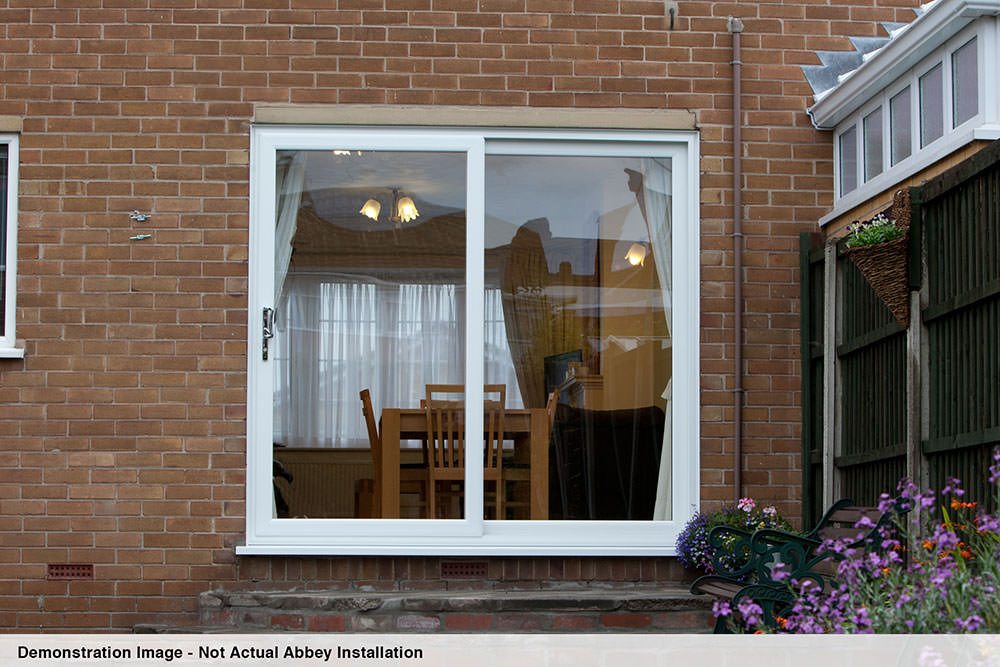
[{"x": 528, "y": 428}]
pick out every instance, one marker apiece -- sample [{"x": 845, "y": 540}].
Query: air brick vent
[
  {"x": 70, "y": 571},
  {"x": 463, "y": 569}
]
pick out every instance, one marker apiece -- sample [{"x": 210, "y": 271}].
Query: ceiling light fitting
[{"x": 403, "y": 209}]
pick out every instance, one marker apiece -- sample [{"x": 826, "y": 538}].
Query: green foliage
[{"x": 877, "y": 230}]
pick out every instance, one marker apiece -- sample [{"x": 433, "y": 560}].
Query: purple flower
[
  {"x": 954, "y": 487},
  {"x": 721, "y": 608},
  {"x": 751, "y": 612},
  {"x": 969, "y": 624}
]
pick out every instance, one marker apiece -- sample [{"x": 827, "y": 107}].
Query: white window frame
[
  {"x": 472, "y": 535},
  {"x": 8, "y": 337},
  {"x": 984, "y": 125}
]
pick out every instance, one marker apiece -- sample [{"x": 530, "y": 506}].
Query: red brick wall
[{"x": 123, "y": 428}]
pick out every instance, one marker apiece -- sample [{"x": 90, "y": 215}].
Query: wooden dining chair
[
  {"x": 518, "y": 472},
  {"x": 412, "y": 476},
  {"x": 446, "y": 443}
]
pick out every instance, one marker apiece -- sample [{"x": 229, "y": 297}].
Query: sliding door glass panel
[
  {"x": 964, "y": 83},
  {"x": 369, "y": 291},
  {"x": 900, "y": 126},
  {"x": 848, "y": 150},
  {"x": 578, "y": 309},
  {"x": 873, "y": 144},
  {"x": 931, "y": 106}
]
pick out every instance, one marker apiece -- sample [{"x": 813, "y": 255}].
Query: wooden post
[{"x": 830, "y": 384}]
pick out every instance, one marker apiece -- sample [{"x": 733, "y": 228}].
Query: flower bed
[{"x": 948, "y": 580}]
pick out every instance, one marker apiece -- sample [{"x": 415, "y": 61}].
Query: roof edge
[{"x": 932, "y": 28}]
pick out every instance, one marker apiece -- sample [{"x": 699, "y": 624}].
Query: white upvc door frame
[
  {"x": 8, "y": 337},
  {"x": 472, "y": 535}
]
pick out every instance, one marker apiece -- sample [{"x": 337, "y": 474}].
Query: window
[
  {"x": 8, "y": 244},
  {"x": 386, "y": 261},
  {"x": 964, "y": 83},
  {"x": 873, "y": 144},
  {"x": 848, "y": 160},
  {"x": 900, "y": 126},
  {"x": 931, "y": 105}
]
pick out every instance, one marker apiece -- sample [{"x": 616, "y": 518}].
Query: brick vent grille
[
  {"x": 70, "y": 571},
  {"x": 463, "y": 569}
]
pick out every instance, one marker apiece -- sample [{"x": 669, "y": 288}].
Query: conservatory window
[
  {"x": 964, "y": 83},
  {"x": 931, "y": 105},
  {"x": 849, "y": 160},
  {"x": 900, "y": 126},
  {"x": 873, "y": 144}
]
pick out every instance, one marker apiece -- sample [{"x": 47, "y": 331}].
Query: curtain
[
  {"x": 655, "y": 203},
  {"x": 290, "y": 180},
  {"x": 340, "y": 334}
]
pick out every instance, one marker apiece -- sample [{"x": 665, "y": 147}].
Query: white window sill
[{"x": 11, "y": 353}]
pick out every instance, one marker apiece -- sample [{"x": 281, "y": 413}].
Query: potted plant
[
  {"x": 879, "y": 248},
  {"x": 693, "y": 548}
]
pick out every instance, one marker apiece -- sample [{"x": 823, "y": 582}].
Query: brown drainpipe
[{"x": 735, "y": 26}]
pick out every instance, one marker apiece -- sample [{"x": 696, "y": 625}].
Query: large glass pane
[
  {"x": 964, "y": 83},
  {"x": 578, "y": 267},
  {"x": 900, "y": 125},
  {"x": 931, "y": 106},
  {"x": 848, "y": 151},
  {"x": 873, "y": 144},
  {"x": 369, "y": 289}
]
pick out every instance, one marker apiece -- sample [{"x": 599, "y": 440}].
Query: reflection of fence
[{"x": 879, "y": 401}]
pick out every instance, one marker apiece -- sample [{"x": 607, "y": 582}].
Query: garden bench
[{"x": 744, "y": 561}]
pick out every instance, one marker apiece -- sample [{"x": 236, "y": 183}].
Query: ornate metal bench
[{"x": 744, "y": 561}]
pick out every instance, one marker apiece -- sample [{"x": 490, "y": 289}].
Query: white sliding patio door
[{"x": 509, "y": 264}]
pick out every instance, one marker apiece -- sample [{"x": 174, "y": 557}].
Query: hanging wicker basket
[{"x": 884, "y": 265}]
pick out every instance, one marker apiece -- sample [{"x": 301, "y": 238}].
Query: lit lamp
[
  {"x": 371, "y": 209},
  {"x": 403, "y": 208},
  {"x": 406, "y": 210},
  {"x": 636, "y": 254}
]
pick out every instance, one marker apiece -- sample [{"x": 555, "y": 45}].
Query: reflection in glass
[
  {"x": 931, "y": 106},
  {"x": 964, "y": 83},
  {"x": 369, "y": 298},
  {"x": 579, "y": 251},
  {"x": 899, "y": 125},
  {"x": 848, "y": 160}
]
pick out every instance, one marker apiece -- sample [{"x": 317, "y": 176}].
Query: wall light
[{"x": 636, "y": 254}]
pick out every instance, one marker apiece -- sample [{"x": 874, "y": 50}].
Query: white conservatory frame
[
  {"x": 930, "y": 40},
  {"x": 472, "y": 535}
]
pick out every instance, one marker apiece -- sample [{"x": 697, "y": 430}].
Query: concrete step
[{"x": 639, "y": 609}]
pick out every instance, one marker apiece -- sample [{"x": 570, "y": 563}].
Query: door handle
[{"x": 268, "y": 330}]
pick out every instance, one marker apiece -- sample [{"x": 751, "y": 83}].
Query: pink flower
[
  {"x": 770, "y": 510},
  {"x": 746, "y": 504}
]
